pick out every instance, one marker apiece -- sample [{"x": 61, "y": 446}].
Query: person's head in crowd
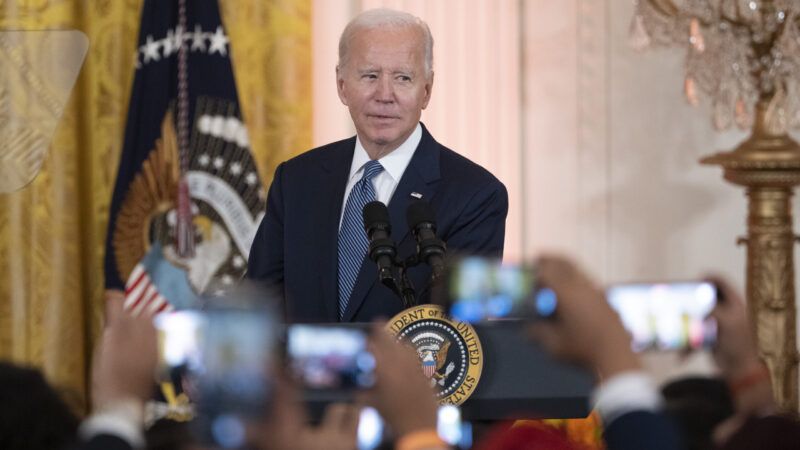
[
  {"x": 385, "y": 76},
  {"x": 32, "y": 415},
  {"x": 166, "y": 434},
  {"x": 698, "y": 405},
  {"x": 526, "y": 438},
  {"x": 775, "y": 432}
]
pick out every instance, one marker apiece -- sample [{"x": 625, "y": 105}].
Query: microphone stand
[
  {"x": 409, "y": 295},
  {"x": 396, "y": 277},
  {"x": 431, "y": 249}
]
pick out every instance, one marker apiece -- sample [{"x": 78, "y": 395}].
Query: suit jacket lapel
[
  {"x": 337, "y": 169},
  {"x": 421, "y": 176}
]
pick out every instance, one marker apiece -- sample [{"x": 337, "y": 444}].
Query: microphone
[
  {"x": 382, "y": 249},
  {"x": 430, "y": 249}
]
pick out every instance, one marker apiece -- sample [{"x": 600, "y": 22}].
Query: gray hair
[{"x": 383, "y": 17}]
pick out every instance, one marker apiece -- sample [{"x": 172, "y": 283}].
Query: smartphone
[
  {"x": 178, "y": 350},
  {"x": 178, "y": 339},
  {"x": 330, "y": 357},
  {"x": 666, "y": 316},
  {"x": 451, "y": 429},
  {"x": 370, "y": 432},
  {"x": 226, "y": 356},
  {"x": 449, "y": 426},
  {"x": 485, "y": 289}
]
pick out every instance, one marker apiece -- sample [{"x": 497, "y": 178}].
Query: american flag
[{"x": 156, "y": 286}]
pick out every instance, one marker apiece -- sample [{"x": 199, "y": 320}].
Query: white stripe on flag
[
  {"x": 137, "y": 295},
  {"x": 142, "y": 296},
  {"x": 155, "y": 304},
  {"x": 144, "y": 299},
  {"x": 138, "y": 288},
  {"x": 137, "y": 272}
]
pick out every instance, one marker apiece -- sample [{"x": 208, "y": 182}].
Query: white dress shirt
[
  {"x": 394, "y": 165},
  {"x": 626, "y": 392},
  {"x": 122, "y": 419}
]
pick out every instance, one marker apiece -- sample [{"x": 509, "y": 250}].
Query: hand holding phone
[
  {"x": 586, "y": 331},
  {"x": 224, "y": 358},
  {"x": 736, "y": 351},
  {"x": 330, "y": 357}
]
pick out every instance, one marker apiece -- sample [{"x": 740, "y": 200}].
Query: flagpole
[{"x": 184, "y": 235}]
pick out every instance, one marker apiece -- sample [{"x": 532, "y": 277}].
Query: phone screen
[
  {"x": 237, "y": 357},
  {"x": 485, "y": 289},
  {"x": 178, "y": 339},
  {"x": 450, "y": 428},
  {"x": 370, "y": 429},
  {"x": 330, "y": 357},
  {"x": 666, "y": 316},
  {"x": 225, "y": 358}
]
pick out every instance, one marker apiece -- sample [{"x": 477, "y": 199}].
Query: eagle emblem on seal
[
  {"x": 449, "y": 351},
  {"x": 432, "y": 351}
]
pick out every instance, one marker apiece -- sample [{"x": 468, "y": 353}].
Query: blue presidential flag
[{"x": 187, "y": 180}]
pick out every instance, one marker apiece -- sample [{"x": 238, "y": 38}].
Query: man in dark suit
[{"x": 311, "y": 243}]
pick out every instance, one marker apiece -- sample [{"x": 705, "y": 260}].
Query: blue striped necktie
[{"x": 353, "y": 243}]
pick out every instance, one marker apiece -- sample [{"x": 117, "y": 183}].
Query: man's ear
[
  {"x": 340, "y": 85},
  {"x": 428, "y": 89}
]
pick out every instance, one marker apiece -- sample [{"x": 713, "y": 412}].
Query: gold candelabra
[
  {"x": 745, "y": 56},
  {"x": 768, "y": 166}
]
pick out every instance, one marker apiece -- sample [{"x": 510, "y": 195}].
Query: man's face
[{"x": 384, "y": 85}]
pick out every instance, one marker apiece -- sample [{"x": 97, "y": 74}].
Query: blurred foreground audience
[
  {"x": 123, "y": 368},
  {"x": 698, "y": 405},
  {"x": 735, "y": 411},
  {"x": 589, "y": 333},
  {"x": 32, "y": 415},
  {"x": 756, "y": 421},
  {"x": 724, "y": 414},
  {"x": 402, "y": 395}
]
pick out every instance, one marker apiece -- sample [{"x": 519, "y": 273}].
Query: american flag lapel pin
[{"x": 416, "y": 195}]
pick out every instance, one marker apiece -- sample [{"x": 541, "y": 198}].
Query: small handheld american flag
[{"x": 155, "y": 285}]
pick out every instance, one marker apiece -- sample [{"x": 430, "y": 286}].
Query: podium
[
  {"x": 522, "y": 381},
  {"x": 518, "y": 381}
]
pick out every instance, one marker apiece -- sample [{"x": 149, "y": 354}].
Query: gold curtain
[{"x": 52, "y": 233}]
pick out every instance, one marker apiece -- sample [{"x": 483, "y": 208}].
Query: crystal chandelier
[{"x": 740, "y": 53}]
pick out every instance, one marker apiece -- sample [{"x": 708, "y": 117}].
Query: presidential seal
[
  {"x": 227, "y": 201},
  {"x": 449, "y": 351}
]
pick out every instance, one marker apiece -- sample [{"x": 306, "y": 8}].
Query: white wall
[
  {"x": 669, "y": 215},
  {"x": 613, "y": 149}
]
